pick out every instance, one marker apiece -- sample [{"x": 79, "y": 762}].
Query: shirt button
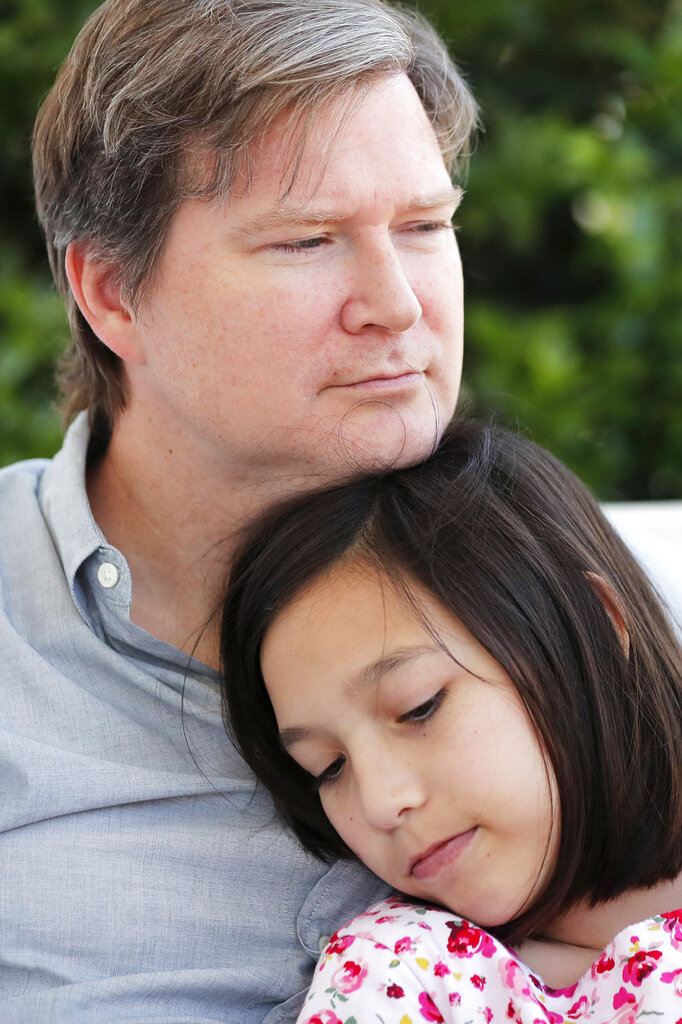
[
  {"x": 107, "y": 574},
  {"x": 323, "y": 942}
]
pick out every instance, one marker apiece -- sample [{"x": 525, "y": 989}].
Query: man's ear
[
  {"x": 98, "y": 295},
  {"x": 613, "y": 607}
]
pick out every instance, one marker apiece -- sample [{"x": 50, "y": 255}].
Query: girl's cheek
[{"x": 341, "y": 815}]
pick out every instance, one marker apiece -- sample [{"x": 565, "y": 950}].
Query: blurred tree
[
  {"x": 34, "y": 37},
  {"x": 571, "y": 230}
]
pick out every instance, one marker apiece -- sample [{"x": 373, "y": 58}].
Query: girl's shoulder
[
  {"x": 425, "y": 957},
  {"x": 408, "y": 927},
  {"x": 402, "y": 961},
  {"x": 433, "y": 944}
]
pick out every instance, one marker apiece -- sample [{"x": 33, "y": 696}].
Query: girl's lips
[{"x": 440, "y": 855}]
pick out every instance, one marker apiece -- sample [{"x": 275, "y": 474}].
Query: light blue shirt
[{"x": 143, "y": 877}]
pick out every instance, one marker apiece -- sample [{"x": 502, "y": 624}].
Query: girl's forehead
[
  {"x": 353, "y": 599},
  {"x": 353, "y": 625}
]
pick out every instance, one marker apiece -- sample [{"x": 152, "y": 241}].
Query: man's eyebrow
[
  {"x": 309, "y": 216},
  {"x": 368, "y": 676}
]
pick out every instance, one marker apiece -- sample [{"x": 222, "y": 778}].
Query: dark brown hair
[
  {"x": 151, "y": 84},
  {"x": 509, "y": 541}
]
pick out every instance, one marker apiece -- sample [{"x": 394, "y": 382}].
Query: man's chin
[{"x": 374, "y": 440}]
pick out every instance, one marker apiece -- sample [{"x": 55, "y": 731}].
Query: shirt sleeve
[{"x": 361, "y": 981}]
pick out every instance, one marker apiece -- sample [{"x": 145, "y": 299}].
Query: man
[{"x": 247, "y": 207}]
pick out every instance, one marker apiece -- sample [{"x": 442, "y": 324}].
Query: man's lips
[
  {"x": 381, "y": 381},
  {"x": 438, "y": 856}
]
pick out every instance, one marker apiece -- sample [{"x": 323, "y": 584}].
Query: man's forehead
[{"x": 294, "y": 152}]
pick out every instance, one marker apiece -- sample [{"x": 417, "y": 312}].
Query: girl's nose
[{"x": 388, "y": 790}]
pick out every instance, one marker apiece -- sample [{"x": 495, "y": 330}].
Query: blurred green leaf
[{"x": 571, "y": 229}]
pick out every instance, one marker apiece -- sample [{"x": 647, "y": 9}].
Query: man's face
[{"x": 305, "y": 332}]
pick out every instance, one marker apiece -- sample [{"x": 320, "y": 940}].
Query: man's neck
[{"x": 176, "y": 518}]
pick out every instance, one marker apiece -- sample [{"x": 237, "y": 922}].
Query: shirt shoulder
[
  {"x": 19, "y": 482},
  {"x": 22, "y": 526}
]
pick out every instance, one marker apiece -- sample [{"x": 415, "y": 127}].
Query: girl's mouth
[{"x": 440, "y": 855}]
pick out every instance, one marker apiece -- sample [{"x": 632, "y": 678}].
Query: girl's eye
[
  {"x": 330, "y": 774},
  {"x": 424, "y": 711}
]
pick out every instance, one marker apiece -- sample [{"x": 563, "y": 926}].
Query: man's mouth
[{"x": 382, "y": 381}]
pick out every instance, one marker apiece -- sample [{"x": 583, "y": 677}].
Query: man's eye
[
  {"x": 433, "y": 225},
  {"x": 301, "y": 244},
  {"x": 424, "y": 711},
  {"x": 330, "y": 774}
]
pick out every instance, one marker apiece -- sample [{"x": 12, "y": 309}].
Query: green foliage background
[{"x": 571, "y": 230}]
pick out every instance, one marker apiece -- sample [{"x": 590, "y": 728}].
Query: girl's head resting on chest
[{"x": 458, "y": 672}]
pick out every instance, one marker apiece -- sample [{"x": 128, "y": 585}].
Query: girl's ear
[
  {"x": 99, "y": 299},
  {"x": 613, "y": 607}
]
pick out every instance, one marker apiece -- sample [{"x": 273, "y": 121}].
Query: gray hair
[{"x": 150, "y": 83}]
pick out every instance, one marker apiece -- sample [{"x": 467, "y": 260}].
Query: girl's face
[{"x": 426, "y": 761}]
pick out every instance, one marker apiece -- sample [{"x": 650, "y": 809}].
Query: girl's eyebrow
[
  {"x": 376, "y": 670},
  {"x": 368, "y": 676}
]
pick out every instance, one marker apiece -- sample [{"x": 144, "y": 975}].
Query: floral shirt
[{"x": 404, "y": 964}]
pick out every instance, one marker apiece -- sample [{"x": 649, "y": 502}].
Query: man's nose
[
  {"x": 388, "y": 789},
  {"x": 381, "y": 297}
]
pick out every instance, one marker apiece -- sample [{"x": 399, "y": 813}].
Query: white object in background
[{"x": 653, "y": 532}]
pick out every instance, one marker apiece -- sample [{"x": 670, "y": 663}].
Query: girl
[{"x": 457, "y": 673}]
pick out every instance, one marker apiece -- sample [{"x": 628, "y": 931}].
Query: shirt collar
[
  {"x": 82, "y": 549},
  {"x": 65, "y": 505}
]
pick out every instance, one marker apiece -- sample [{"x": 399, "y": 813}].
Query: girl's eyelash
[
  {"x": 330, "y": 774},
  {"x": 424, "y": 711},
  {"x": 416, "y": 716}
]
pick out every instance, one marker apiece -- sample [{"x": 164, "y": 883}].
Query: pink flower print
[
  {"x": 395, "y": 992},
  {"x": 568, "y": 992},
  {"x": 487, "y": 1015},
  {"x": 339, "y": 945},
  {"x": 673, "y": 978},
  {"x": 425, "y": 926},
  {"x": 626, "y": 1004},
  {"x": 622, "y": 997},
  {"x": 386, "y": 919},
  {"x": 640, "y": 965},
  {"x": 577, "y": 1009},
  {"x": 324, "y": 1017},
  {"x": 428, "y": 1008},
  {"x": 478, "y": 982},
  {"x": 604, "y": 964},
  {"x": 350, "y": 977},
  {"x": 512, "y": 1014},
  {"x": 513, "y": 978},
  {"x": 454, "y": 998},
  {"x": 672, "y": 923},
  {"x": 404, "y": 945},
  {"x": 441, "y": 969},
  {"x": 465, "y": 940}
]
